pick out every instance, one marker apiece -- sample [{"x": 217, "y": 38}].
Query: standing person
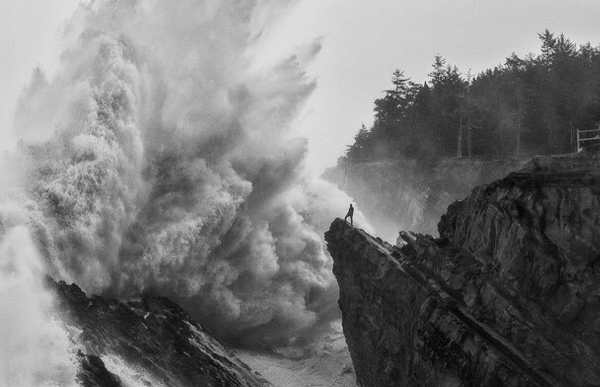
[{"x": 350, "y": 214}]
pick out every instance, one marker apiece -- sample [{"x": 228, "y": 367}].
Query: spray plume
[
  {"x": 36, "y": 351},
  {"x": 160, "y": 160}
]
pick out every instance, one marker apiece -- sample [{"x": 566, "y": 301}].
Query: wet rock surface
[
  {"x": 93, "y": 373},
  {"x": 154, "y": 339},
  {"x": 508, "y": 296}
]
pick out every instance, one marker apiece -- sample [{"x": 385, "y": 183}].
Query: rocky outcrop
[
  {"x": 508, "y": 296},
  {"x": 152, "y": 342},
  {"x": 92, "y": 372},
  {"x": 401, "y": 194}
]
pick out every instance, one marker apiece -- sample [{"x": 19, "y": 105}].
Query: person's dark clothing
[{"x": 350, "y": 214}]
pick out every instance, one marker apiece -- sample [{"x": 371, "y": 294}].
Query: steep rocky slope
[
  {"x": 402, "y": 194},
  {"x": 150, "y": 342},
  {"x": 508, "y": 296}
]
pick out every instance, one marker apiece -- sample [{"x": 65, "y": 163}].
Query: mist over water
[
  {"x": 160, "y": 159},
  {"x": 35, "y": 350}
]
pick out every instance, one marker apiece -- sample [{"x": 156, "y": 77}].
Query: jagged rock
[
  {"x": 508, "y": 296},
  {"x": 153, "y": 338}
]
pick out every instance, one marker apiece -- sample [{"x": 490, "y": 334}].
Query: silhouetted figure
[
  {"x": 400, "y": 242},
  {"x": 350, "y": 214}
]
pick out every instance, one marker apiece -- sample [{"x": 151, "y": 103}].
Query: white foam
[
  {"x": 34, "y": 349},
  {"x": 129, "y": 375}
]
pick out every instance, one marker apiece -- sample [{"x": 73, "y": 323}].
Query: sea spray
[
  {"x": 163, "y": 161},
  {"x": 35, "y": 350}
]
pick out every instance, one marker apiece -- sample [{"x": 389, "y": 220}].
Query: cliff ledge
[{"x": 509, "y": 295}]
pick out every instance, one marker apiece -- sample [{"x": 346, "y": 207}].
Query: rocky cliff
[
  {"x": 151, "y": 342},
  {"x": 402, "y": 194},
  {"x": 508, "y": 296}
]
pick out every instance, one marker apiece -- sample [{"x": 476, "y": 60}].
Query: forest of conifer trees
[{"x": 530, "y": 105}]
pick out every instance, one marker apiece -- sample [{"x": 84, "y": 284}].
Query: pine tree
[{"x": 529, "y": 104}]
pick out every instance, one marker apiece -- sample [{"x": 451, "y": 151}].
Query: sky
[
  {"x": 363, "y": 42},
  {"x": 29, "y": 37}
]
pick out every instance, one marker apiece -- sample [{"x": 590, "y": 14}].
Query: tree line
[{"x": 530, "y": 105}]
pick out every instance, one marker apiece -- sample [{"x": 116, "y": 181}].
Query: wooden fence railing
[{"x": 586, "y": 136}]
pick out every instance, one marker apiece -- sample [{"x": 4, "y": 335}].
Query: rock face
[
  {"x": 150, "y": 342},
  {"x": 400, "y": 194},
  {"x": 508, "y": 296}
]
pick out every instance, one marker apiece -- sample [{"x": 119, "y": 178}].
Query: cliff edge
[
  {"x": 508, "y": 296},
  {"x": 402, "y": 195}
]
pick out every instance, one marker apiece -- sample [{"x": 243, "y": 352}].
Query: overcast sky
[{"x": 363, "y": 42}]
